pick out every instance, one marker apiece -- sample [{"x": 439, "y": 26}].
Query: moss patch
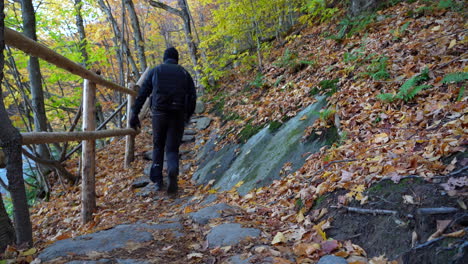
[{"x": 248, "y": 131}]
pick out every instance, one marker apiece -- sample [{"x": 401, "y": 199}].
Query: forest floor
[{"x": 402, "y": 153}]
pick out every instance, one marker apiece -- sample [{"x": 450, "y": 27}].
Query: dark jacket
[{"x": 170, "y": 74}]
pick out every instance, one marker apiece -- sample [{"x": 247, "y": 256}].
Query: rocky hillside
[{"x": 391, "y": 186}]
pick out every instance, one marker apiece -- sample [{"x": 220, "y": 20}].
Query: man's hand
[{"x": 135, "y": 122}]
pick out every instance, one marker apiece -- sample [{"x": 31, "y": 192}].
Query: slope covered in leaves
[
  {"x": 391, "y": 138},
  {"x": 378, "y": 138}
]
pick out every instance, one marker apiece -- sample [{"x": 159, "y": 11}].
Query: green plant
[
  {"x": 291, "y": 61},
  {"x": 329, "y": 87},
  {"x": 378, "y": 69},
  {"x": 218, "y": 104},
  {"x": 350, "y": 26},
  {"x": 455, "y": 77},
  {"x": 447, "y": 4},
  {"x": 259, "y": 81},
  {"x": 400, "y": 32},
  {"x": 274, "y": 126},
  {"x": 409, "y": 89},
  {"x": 232, "y": 116},
  {"x": 317, "y": 12},
  {"x": 248, "y": 131},
  {"x": 278, "y": 80},
  {"x": 287, "y": 60},
  {"x": 326, "y": 114}
]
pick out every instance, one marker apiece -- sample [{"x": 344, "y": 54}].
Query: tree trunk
[
  {"x": 184, "y": 14},
  {"x": 7, "y": 233},
  {"x": 359, "y": 6},
  {"x": 10, "y": 141},
  {"x": 35, "y": 78},
  {"x": 137, "y": 36},
  {"x": 118, "y": 35},
  {"x": 81, "y": 32}
]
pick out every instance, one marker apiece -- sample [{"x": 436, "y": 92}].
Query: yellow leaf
[
  {"x": 436, "y": 28},
  {"x": 187, "y": 210},
  {"x": 279, "y": 238},
  {"x": 318, "y": 228},
  {"x": 213, "y": 191},
  {"x": 303, "y": 118},
  {"x": 28, "y": 252},
  {"x": 452, "y": 43},
  {"x": 300, "y": 216},
  {"x": 239, "y": 184}
]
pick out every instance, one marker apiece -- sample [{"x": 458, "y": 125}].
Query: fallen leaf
[
  {"x": 329, "y": 246},
  {"x": 408, "y": 199},
  {"x": 239, "y": 184},
  {"x": 279, "y": 238},
  {"x": 306, "y": 249},
  {"x": 452, "y": 43},
  {"x": 28, "y": 252},
  {"x": 194, "y": 255},
  {"x": 458, "y": 233},
  {"x": 278, "y": 260},
  {"x": 381, "y": 138}
]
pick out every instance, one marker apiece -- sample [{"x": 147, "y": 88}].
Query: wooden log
[
  {"x": 31, "y": 47},
  {"x": 130, "y": 139},
  {"x": 88, "y": 189},
  {"x": 32, "y": 138}
]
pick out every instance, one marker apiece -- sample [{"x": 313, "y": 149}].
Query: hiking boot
[{"x": 172, "y": 188}]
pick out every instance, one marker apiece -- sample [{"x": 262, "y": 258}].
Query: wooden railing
[{"x": 89, "y": 133}]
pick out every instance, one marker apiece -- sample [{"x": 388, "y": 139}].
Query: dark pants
[{"x": 168, "y": 129}]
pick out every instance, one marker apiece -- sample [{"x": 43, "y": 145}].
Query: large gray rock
[
  {"x": 140, "y": 182},
  {"x": 199, "y": 108},
  {"x": 229, "y": 234},
  {"x": 104, "y": 241},
  {"x": 109, "y": 261},
  {"x": 101, "y": 261},
  {"x": 188, "y": 138},
  {"x": 215, "y": 164},
  {"x": 262, "y": 157},
  {"x": 209, "y": 199},
  {"x": 190, "y": 132},
  {"x": 239, "y": 259},
  {"x": 330, "y": 259},
  {"x": 202, "y": 123},
  {"x": 204, "y": 215}
]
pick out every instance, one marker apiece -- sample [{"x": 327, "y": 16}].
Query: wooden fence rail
[{"x": 89, "y": 134}]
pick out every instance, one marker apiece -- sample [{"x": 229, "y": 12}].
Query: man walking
[{"x": 173, "y": 102}]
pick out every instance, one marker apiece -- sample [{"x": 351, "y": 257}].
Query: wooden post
[
  {"x": 130, "y": 139},
  {"x": 88, "y": 189}
]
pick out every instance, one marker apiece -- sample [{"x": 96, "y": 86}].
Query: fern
[
  {"x": 386, "y": 97},
  {"x": 413, "y": 92},
  {"x": 455, "y": 77},
  {"x": 409, "y": 89}
]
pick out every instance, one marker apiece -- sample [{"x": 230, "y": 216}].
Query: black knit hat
[{"x": 171, "y": 53}]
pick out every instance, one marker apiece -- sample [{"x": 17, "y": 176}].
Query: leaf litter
[{"x": 378, "y": 140}]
